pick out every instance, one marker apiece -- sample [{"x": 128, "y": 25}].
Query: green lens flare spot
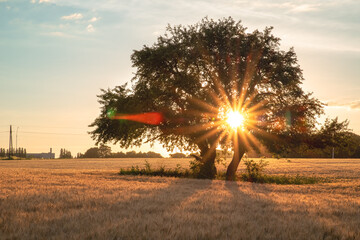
[
  {"x": 288, "y": 118},
  {"x": 111, "y": 113}
]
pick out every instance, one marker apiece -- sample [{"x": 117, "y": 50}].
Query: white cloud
[
  {"x": 90, "y": 28},
  {"x": 94, "y": 19},
  {"x": 57, "y": 34},
  {"x": 44, "y": 1},
  {"x": 33, "y": 1},
  {"x": 305, "y": 8},
  {"x": 355, "y": 105},
  {"x": 73, "y": 16}
]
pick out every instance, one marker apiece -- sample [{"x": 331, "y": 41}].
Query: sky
[{"x": 56, "y": 55}]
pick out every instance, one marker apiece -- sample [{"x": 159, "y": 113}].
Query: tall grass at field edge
[{"x": 259, "y": 177}]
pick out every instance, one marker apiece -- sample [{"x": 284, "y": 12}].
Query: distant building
[{"x": 49, "y": 155}]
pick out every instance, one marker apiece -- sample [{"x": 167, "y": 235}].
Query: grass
[
  {"x": 161, "y": 171},
  {"x": 87, "y": 199},
  {"x": 254, "y": 173},
  {"x": 283, "y": 179},
  {"x": 185, "y": 173}
]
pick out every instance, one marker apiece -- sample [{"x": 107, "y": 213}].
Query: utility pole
[
  {"x": 16, "y": 136},
  {"x": 333, "y": 150},
  {"x": 10, "y": 143}
]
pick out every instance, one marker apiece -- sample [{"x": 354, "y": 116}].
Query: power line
[
  {"x": 50, "y": 133},
  {"x": 45, "y": 127}
]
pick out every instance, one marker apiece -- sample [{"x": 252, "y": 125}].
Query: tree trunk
[{"x": 239, "y": 151}]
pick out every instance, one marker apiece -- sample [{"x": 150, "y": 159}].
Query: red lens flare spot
[{"x": 152, "y": 118}]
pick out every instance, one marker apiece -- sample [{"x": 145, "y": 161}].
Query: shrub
[
  {"x": 254, "y": 170},
  {"x": 147, "y": 166},
  {"x": 195, "y": 166},
  {"x": 160, "y": 171}
]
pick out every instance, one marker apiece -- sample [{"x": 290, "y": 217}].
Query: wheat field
[{"x": 87, "y": 199}]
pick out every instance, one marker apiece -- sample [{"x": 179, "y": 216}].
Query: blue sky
[{"x": 55, "y": 55}]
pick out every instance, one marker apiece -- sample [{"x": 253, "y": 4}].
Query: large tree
[{"x": 190, "y": 81}]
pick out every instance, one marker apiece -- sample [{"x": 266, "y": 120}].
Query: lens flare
[
  {"x": 151, "y": 118},
  {"x": 235, "y": 119}
]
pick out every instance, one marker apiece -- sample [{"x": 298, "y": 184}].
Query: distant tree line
[
  {"x": 2, "y": 152},
  {"x": 179, "y": 155},
  {"x": 104, "y": 151},
  {"x": 346, "y": 145},
  {"x": 133, "y": 154},
  {"x": 347, "y": 149},
  {"x": 17, "y": 152},
  {"x": 65, "y": 153},
  {"x": 332, "y": 135}
]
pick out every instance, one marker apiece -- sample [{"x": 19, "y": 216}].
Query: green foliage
[
  {"x": 147, "y": 166},
  {"x": 160, "y": 171},
  {"x": 254, "y": 170},
  {"x": 195, "y": 166},
  {"x": 178, "y": 171},
  {"x": 333, "y": 133}
]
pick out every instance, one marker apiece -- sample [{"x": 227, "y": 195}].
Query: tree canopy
[
  {"x": 102, "y": 151},
  {"x": 193, "y": 76}
]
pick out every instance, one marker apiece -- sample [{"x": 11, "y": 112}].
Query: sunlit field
[{"x": 80, "y": 199}]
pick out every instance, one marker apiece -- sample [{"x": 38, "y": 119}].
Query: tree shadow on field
[
  {"x": 110, "y": 206},
  {"x": 156, "y": 214},
  {"x": 264, "y": 213},
  {"x": 147, "y": 210}
]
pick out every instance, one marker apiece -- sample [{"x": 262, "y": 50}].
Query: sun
[{"x": 235, "y": 119}]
